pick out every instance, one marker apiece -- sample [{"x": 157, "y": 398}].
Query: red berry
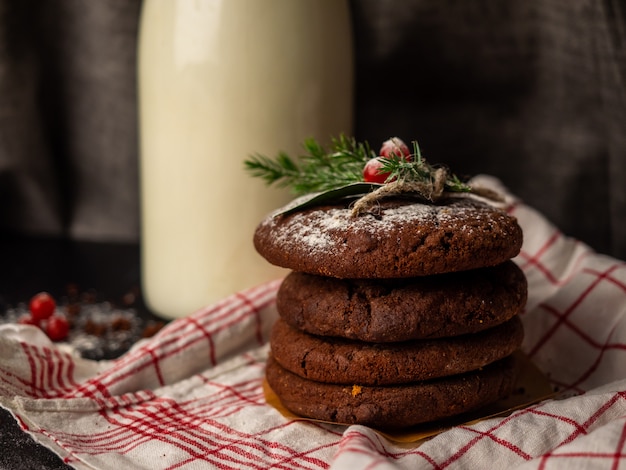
[
  {"x": 42, "y": 306},
  {"x": 371, "y": 172},
  {"x": 57, "y": 328},
  {"x": 391, "y": 148},
  {"x": 27, "y": 319},
  {"x": 394, "y": 146}
]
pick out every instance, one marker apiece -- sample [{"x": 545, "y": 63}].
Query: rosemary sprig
[
  {"x": 320, "y": 170},
  {"x": 328, "y": 175}
]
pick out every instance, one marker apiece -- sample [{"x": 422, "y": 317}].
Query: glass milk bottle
[{"x": 220, "y": 80}]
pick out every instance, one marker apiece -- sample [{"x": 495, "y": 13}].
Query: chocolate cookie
[
  {"x": 338, "y": 361},
  {"x": 403, "y": 238},
  {"x": 403, "y": 309},
  {"x": 392, "y": 407}
]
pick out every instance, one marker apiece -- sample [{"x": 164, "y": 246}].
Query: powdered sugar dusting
[{"x": 319, "y": 230}]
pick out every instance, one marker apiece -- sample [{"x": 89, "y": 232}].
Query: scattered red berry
[
  {"x": 27, "y": 319},
  {"x": 41, "y": 306},
  {"x": 57, "y": 328},
  {"x": 371, "y": 172},
  {"x": 394, "y": 146}
]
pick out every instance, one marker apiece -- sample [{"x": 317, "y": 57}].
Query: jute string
[{"x": 431, "y": 190}]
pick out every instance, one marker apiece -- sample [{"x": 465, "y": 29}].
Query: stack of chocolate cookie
[{"x": 404, "y": 315}]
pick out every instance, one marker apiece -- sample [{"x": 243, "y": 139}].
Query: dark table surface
[{"x": 108, "y": 271}]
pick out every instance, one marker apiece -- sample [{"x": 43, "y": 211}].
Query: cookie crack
[{"x": 303, "y": 363}]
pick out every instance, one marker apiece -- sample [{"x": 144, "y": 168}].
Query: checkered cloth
[{"x": 192, "y": 397}]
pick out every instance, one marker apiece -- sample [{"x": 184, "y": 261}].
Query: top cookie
[{"x": 401, "y": 238}]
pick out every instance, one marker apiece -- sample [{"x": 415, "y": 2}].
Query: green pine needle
[{"x": 320, "y": 169}]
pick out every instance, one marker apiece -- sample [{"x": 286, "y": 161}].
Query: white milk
[{"x": 220, "y": 80}]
